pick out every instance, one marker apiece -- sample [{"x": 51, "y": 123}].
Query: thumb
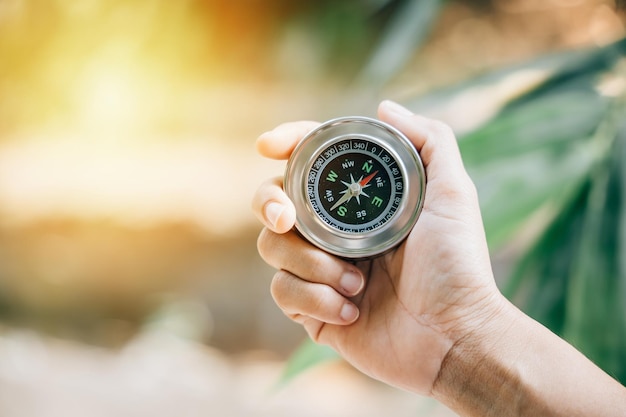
[
  {"x": 434, "y": 140},
  {"x": 450, "y": 193}
]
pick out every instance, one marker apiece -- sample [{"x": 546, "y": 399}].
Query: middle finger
[{"x": 290, "y": 252}]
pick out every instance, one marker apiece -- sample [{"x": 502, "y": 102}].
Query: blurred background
[{"x": 129, "y": 279}]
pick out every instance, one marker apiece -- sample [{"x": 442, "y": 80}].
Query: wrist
[
  {"x": 473, "y": 371},
  {"x": 510, "y": 365}
]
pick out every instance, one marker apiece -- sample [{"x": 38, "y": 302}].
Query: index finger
[{"x": 280, "y": 142}]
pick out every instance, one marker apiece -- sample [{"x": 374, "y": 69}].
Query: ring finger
[
  {"x": 291, "y": 253},
  {"x": 298, "y": 298}
]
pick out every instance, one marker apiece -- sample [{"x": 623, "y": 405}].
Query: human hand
[{"x": 394, "y": 317}]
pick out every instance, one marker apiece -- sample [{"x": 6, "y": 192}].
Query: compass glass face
[{"x": 355, "y": 185}]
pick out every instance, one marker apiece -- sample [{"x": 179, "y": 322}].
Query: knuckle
[
  {"x": 320, "y": 267},
  {"x": 439, "y": 129},
  {"x": 261, "y": 243},
  {"x": 279, "y": 288},
  {"x": 460, "y": 188},
  {"x": 323, "y": 301},
  {"x": 265, "y": 244},
  {"x": 459, "y": 192},
  {"x": 471, "y": 189},
  {"x": 316, "y": 260},
  {"x": 467, "y": 189}
]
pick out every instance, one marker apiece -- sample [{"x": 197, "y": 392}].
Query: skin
[{"x": 426, "y": 317}]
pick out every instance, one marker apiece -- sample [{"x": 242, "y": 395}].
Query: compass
[{"x": 358, "y": 186}]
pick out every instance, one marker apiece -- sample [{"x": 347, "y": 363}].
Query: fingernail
[
  {"x": 273, "y": 212},
  {"x": 351, "y": 282},
  {"x": 396, "y": 108},
  {"x": 349, "y": 313}
]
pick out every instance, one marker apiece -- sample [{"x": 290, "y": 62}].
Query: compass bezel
[{"x": 355, "y": 245}]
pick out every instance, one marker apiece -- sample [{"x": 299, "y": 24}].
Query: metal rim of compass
[{"x": 356, "y": 245}]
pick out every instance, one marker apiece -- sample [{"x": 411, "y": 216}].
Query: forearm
[{"x": 513, "y": 366}]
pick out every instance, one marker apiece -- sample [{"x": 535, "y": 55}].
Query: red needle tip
[{"x": 367, "y": 179}]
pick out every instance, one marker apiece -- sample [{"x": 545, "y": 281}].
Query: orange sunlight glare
[
  {"x": 108, "y": 120},
  {"x": 110, "y": 97},
  {"x": 137, "y": 184}
]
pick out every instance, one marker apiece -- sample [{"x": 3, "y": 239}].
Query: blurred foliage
[
  {"x": 555, "y": 157},
  {"x": 551, "y": 165},
  {"x": 368, "y": 40},
  {"x": 406, "y": 30},
  {"x": 305, "y": 357},
  {"x": 58, "y": 58}
]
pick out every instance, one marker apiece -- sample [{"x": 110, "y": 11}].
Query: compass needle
[
  {"x": 367, "y": 179},
  {"x": 346, "y": 197}
]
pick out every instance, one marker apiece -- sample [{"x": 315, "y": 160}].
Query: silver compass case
[{"x": 355, "y": 136}]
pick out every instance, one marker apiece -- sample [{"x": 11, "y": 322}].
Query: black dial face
[{"x": 355, "y": 185}]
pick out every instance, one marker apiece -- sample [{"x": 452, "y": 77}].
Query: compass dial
[{"x": 358, "y": 187}]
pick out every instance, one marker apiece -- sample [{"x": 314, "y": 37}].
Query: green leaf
[
  {"x": 594, "y": 320},
  {"x": 551, "y": 123},
  {"x": 620, "y": 373},
  {"x": 581, "y": 72},
  {"x": 306, "y": 356},
  {"x": 558, "y": 68},
  {"x": 539, "y": 280},
  {"x": 531, "y": 157},
  {"x": 536, "y": 151},
  {"x": 573, "y": 279},
  {"x": 403, "y": 35}
]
